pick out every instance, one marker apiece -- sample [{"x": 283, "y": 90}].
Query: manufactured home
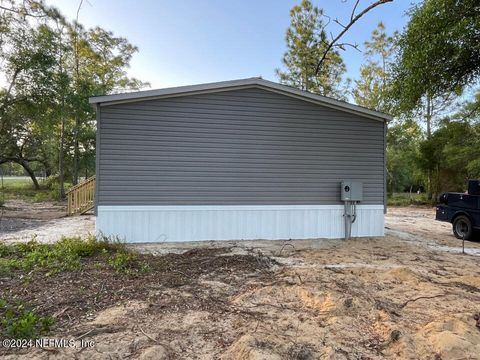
[{"x": 233, "y": 160}]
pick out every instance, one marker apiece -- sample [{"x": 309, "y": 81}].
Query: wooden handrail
[
  {"x": 79, "y": 185},
  {"x": 81, "y": 197}
]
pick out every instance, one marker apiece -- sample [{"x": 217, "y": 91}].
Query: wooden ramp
[{"x": 81, "y": 197}]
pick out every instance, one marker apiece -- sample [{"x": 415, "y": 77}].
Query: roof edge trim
[{"x": 237, "y": 84}]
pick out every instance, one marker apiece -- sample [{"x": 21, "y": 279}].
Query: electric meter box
[{"x": 351, "y": 190}]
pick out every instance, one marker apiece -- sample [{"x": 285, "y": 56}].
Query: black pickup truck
[{"x": 462, "y": 210}]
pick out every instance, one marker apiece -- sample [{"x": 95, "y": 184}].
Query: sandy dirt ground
[
  {"x": 409, "y": 295},
  {"x": 46, "y": 222}
]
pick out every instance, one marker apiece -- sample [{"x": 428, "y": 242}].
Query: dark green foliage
[
  {"x": 20, "y": 322},
  {"x": 438, "y": 59},
  {"x": 442, "y": 162},
  {"x": 439, "y": 51},
  {"x": 64, "y": 255},
  {"x": 402, "y": 154},
  {"x": 451, "y": 155},
  {"x": 52, "y": 67}
]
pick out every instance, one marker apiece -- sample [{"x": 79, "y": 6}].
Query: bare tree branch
[
  {"x": 342, "y": 46},
  {"x": 339, "y": 23},
  {"x": 354, "y": 9},
  {"x": 328, "y": 22},
  {"x": 353, "y": 20}
]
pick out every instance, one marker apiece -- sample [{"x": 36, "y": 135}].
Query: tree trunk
[
  {"x": 428, "y": 116},
  {"x": 24, "y": 163},
  {"x": 30, "y": 172},
  {"x": 428, "y": 119},
  {"x": 61, "y": 155},
  {"x": 63, "y": 89},
  {"x": 76, "y": 152},
  {"x": 61, "y": 160}
]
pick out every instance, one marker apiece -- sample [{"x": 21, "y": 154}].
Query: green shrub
[
  {"x": 127, "y": 262},
  {"x": 51, "y": 257},
  {"x": 27, "y": 247},
  {"x": 51, "y": 182},
  {"x": 407, "y": 199},
  {"x": 65, "y": 255},
  {"x": 121, "y": 261},
  {"x": 52, "y": 185},
  {"x": 6, "y": 250},
  {"x": 6, "y": 265},
  {"x": 8, "y": 260},
  {"x": 19, "y": 322},
  {"x": 90, "y": 246}
]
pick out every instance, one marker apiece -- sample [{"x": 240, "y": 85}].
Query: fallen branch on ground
[
  {"x": 421, "y": 297},
  {"x": 101, "y": 330},
  {"x": 167, "y": 347},
  {"x": 286, "y": 244}
]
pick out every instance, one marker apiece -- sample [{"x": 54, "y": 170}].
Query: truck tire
[{"x": 462, "y": 227}]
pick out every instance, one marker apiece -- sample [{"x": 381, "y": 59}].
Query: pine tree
[
  {"x": 306, "y": 41},
  {"x": 371, "y": 89}
]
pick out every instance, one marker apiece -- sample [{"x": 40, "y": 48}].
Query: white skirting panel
[{"x": 235, "y": 222}]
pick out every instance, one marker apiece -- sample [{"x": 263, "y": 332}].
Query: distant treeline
[{"x": 426, "y": 77}]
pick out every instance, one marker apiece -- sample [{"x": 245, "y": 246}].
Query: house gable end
[{"x": 238, "y": 85}]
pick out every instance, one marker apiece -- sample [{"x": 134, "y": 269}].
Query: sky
[{"x": 184, "y": 42}]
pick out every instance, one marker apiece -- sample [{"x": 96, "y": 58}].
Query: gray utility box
[{"x": 351, "y": 190}]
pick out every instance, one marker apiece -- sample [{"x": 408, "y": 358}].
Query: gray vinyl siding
[{"x": 240, "y": 147}]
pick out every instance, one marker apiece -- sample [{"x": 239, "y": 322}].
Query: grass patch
[
  {"x": 20, "y": 322},
  {"x": 20, "y": 189},
  {"x": 23, "y": 189},
  {"x": 407, "y": 199},
  {"x": 67, "y": 255}
]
